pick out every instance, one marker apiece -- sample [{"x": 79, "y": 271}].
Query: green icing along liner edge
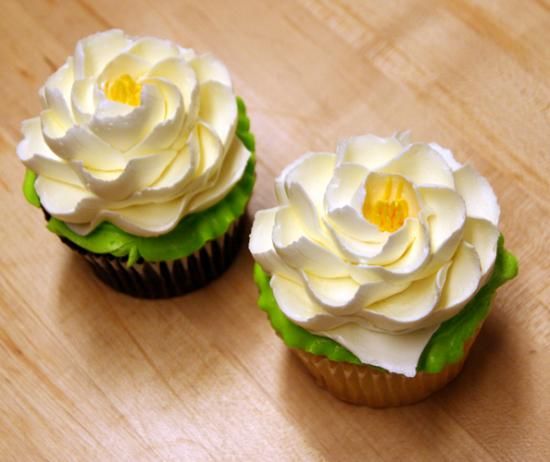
[
  {"x": 191, "y": 233},
  {"x": 446, "y": 345}
]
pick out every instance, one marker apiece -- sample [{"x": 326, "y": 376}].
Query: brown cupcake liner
[
  {"x": 366, "y": 385},
  {"x": 166, "y": 279}
]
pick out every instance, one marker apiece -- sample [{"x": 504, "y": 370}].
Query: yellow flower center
[
  {"x": 123, "y": 89},
  {"x": 390, "y": 211}
]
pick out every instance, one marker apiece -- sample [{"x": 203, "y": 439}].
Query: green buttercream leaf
[
  {"x": 248, "y": 140},
  {"x": 133, "y": 256},
  {"x": 295, "y": 336},
  {"x": 28, "y": 188},
  {"x": 189, "y": 235},
  {"x": 446, "y": 345}
]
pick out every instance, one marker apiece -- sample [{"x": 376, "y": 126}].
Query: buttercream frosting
[
  {"x": 136, "y": 131},
  {"x": 376, "y": 245}
]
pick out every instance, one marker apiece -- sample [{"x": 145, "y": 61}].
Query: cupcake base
[
  {"x": 366, "y": 385},
  {"x": 168, "y": 278}
]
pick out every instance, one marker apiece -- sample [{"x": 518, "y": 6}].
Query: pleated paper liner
[
  {"x": 168, "y": 278},
  {"x": 366, "y": 385}
]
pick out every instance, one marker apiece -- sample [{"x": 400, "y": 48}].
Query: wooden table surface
[{"x": 89, "y": 374}]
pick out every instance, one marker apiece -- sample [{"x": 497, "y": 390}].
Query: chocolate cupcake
[
  {"x": 143, "y": 162},
  {"x": 378, "y": 266}
]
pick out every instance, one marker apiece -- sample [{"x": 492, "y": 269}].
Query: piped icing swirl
[
  {"x": 136, "y": 131},
  {"x": 378, "y": 244}
]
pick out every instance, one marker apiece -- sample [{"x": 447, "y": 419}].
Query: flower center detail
[
  {"x": 123, "y": 89},
  {"x": 390, "y": 211}
]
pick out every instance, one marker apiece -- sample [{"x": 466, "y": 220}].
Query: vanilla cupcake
[
  {"x": 378, "y": 265},
  {"x": 142, "y": 161}
]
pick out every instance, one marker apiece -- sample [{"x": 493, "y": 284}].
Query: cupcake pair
[{"x": 377, "y": 266}]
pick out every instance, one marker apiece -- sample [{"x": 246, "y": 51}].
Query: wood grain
[{"x": 88, "y": 374}]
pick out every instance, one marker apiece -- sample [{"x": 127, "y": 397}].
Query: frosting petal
[
  {"x": 344, "y": 296},
  {"x": 70, "y": 202},
  {"x": 406, "y": 267},
  {"x": 211, "y": 149},
  {"x": 218, "y": 108},
  {"x": 299, "y": 251},
  {"x": 173, "y": 131},
  {"x": 124, "y": 131},
  {"x": 209, "y": 69},
  {"x": 123, "y": 63},
  {"x": 447, "y": 214},
  {"x": 369, "y": 151},
  {"x": 261, "y": 245},
  {"x": 94, "y": 52},
  {"x": 396, "y": 353},
  {"x": 483, "y": 236},
  {"x": 175, "y": 178},
  {"x": 336, "y": 294},
  {"x": 385, "y": 253},
  {"x": 177, "y": 71},
  {"x": 312, "y": 172},
  {"x": 153, "y": 49},
  {"x": 82, "y": 100},
  {"x": 60, "y": 81},
  {"x": 59, "y": 107},
  {"x": 234, "y": 165},
  {"x": 462, "y": 281},
  {"x": 305, "y": 191},
  {"x": 144, "y": 220},
  {"x": 79, "y": 143},
  {"x": 478, "y": 195},
  {"x": 422, "y": 166},
  {"x": 37, "y": 156},
  {"x": 297, "y": 306},
  {"x": 447, "y": 155},
  {"x": 409, "y": 309},
  {"x": 118, "y": 185},
  {"x": 342, "y": 188},
  {"x": 347, "y": 222}
]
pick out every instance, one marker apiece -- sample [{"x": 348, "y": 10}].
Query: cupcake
[
  {"x": 378, "y": 266},
  {"x": 143, "y": 162}
]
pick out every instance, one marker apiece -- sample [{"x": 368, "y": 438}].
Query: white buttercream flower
[
  {"x": 136, "y": 131},
  {"x": 376, "y": 245}
]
